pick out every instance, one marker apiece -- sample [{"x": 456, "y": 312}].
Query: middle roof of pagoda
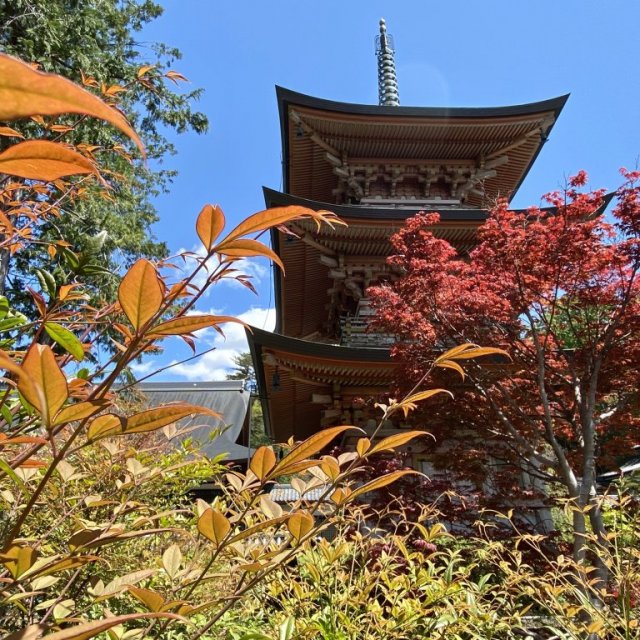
[{"x": 337, "y": 152}]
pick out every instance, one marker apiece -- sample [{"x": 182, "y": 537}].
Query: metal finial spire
[{"x": 387, "y": 80}]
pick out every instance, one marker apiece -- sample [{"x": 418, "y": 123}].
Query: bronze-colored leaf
[
  {"x": 308, "y": 448},
  {"x": 88, "y": 630},
  {"x": 79, "y": 411},
  {"x": 44, "y": 386},
  {"x": 299, "y": 524},
  {"x": 58, "y": 565},
  {"x": 424, "y": 395},
  {"x": 153, "y": 419},
  {"x": 150, "y": 599},
  {"x": 330, "y": 467},
  {"x": 18, "y": 559},
  {"x": 340, "y": 495},
  {"x": 25, "y": 92},
  {"x": 447, "y": 355},
  {"x": 263, "y": 460},
  {"x": 451, "y": 364},
  {"x": 275, "y": 217},
  {"x": 378, "y": 483},
  {"x": 362, "y": 446},
  {"x": 188, "y": 324},
  {"x": 44, "y": 160},
  {"x": 246, "y": 248},
  {"x": 391, "y": 442},
  {"x": 10, "y": 133},
  {"x": 141, "y": 293},
  {"x": 209, "y": 225},
  {"x": 103, "y": 426},
  {"x": 10, "y": 365},
  {"x": 478, "y": 352},
  {"x": 214, "y": 526}
]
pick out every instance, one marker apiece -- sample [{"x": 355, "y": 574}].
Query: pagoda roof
[
  {"x": 301, "y": 293},
  {"x": 312, "y": 127},
  {"x": 305, "y": 368},
  {"x": 358, "y": 212}
]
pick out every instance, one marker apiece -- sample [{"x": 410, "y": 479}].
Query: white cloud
[
  {"x": 142, "y": 368},
  {"x": 214, "y": 365},
  {"x": 257, "y": 269}
]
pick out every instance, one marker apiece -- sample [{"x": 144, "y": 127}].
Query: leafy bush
[{"x": 93, "y": 535}]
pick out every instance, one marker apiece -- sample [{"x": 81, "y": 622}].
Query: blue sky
[{"x": 469, "y": 53}]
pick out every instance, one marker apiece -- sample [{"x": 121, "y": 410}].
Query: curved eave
[
  {"x": 287, "y": 97},
  {"x": 330, "y": 352},
  {"x": 261, "y": 341},
  {"x": 274, "y": 198}
]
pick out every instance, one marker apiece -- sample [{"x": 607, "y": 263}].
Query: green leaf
[
  {"x": 66, "y": 339},
  {"x": 4, "y": 306},
  {"x": 47, "y": 282},
  {"x": 11, "y": 323}
]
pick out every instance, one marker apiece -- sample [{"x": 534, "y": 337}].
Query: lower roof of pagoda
[
  {"x": 302, "y": 292},
  {"x": 335, "y": 152},
  {"x": 304, "y": 370}
]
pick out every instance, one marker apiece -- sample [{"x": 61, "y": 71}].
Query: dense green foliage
[{"x": 97, "y": 41}]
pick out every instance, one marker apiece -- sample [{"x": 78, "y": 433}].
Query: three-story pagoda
[{"x": 374, "y": 166}]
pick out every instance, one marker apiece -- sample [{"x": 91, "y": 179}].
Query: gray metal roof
[
  {"x": 286, "y": 493},
  {"x": 227, "y": 397}
]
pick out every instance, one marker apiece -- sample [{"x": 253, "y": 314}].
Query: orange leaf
[
  {"x": 299, "y": 524},
  {"x": 362, "y": 446},
  {"x": 103, "y": 426},
  {"x": 340, "y": 495},
  {"x": 150, "y": 599},
  {"x": 45, "y": 386},
  {"x": 25, "y": 92},
  {"x": 378, "y": 483},
  {"x": 479, "y": 352},
  {"x": 187, "y": 324},
  {"x": 141, "y": 293},
  {"x": 32, "y": 463},
  {"x": 175, "y": 76},
  {"x": 390, "y": 443},
  {"x": 10, "y": 133},
  {"x": 423, "y": 395},
  {"x": 7, "y": 363},
  {"x": 86, "y": 630},
  {"x": 209, "y": 224},
  {"x": 153, "y": 419},
  {"x": 214, "y": 525},
  {"x": 263, "y": 460},
  {"x": 5, "y": 441},
  {"x": 447, "y": 355},
  {"x": 143, "y": 70},
  {"x": 79, "y": 411},
  {"x": 272, "y": 218},
  {"x": 245, "y": 248},
  {"x": 43, "y": 160},
  {"x": 18, "y": 559},
  {"x": 450, "y": 364},
  {"x": 308, "y": 448}
]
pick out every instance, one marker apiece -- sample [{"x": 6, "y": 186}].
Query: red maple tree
[{"x": 558, "y": 289}]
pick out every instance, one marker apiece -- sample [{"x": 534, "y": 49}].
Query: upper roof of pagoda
[{"x": 342, "y": 153}]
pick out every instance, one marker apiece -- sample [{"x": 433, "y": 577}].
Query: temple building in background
[{"x": 374, "y": 166}]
